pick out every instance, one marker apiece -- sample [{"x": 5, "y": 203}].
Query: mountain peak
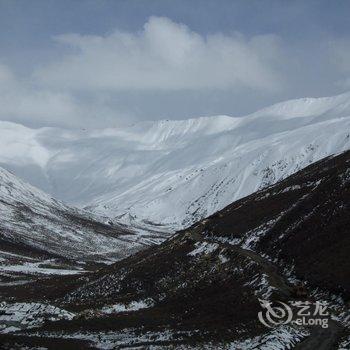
[{"x": 308, "y": 107}]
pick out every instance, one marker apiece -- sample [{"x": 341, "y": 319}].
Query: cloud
[
  {"x": 23, "y": 101},
  {"x": 164, "y": 56},
  {"x": 166, "y": 71},
  {"x": 340, "y": 55},
  {"x": 19, "y": 100}
]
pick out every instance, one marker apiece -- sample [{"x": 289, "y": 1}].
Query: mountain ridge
[{"x": 176, "y": 172}]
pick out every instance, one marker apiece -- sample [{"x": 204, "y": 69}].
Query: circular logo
[{"x": 274, "y": 315}]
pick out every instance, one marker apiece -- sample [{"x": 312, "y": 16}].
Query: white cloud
[
  {"x": 166, "y": 71},
  {"x": 340, "y": 54},
  {"x": 18, "y": 99},
  {"x": 164, "y": 56},
  {"x": 23, "y": 101},
  {"x": 113, "y": 79}
]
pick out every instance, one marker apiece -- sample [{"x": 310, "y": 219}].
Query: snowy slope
[
  {"x": 35, "y": 225},
  {"x": 176, "y": 172}
]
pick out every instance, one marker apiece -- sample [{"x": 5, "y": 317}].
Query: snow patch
[
  {"x": 132, "y": 306},
  {"x": 203, "y": 248}
]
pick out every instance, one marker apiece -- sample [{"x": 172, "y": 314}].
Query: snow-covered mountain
[
  {"x": 176, "y": 172},
  {"x": 34, "y": 226}
]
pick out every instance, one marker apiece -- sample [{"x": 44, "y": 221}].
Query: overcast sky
[{"x": 99, "y": 63}]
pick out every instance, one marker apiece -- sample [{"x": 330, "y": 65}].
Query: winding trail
[{"x": 319, "y": 338}]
